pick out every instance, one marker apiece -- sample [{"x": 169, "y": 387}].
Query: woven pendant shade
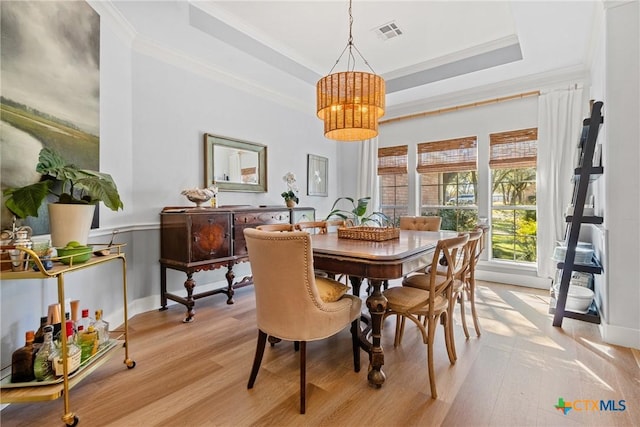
[{"x": 350, "y": 104}]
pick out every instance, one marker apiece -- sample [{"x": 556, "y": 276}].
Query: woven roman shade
[
  {"x": 514, "y": 149},
  {"x": 392, "y": 160},
  {"x": 451, "y": 155}
]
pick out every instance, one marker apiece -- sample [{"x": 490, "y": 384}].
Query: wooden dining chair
[
  {"x": 314, "y": 227},
  {"x": 461, "y": 269},
  {"x": 470, "y": 282},
  {"x": 276, "y": 227},
  {"x": 408, "y": 302},
  {"x": 290, "y": 304}
]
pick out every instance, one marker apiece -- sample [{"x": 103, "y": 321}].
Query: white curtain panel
[
  {"x": 368, "y": 173},
  {"x": 560, "y": 114}
]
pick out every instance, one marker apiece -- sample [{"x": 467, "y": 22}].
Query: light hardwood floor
[{"x": 196, "y": 374}]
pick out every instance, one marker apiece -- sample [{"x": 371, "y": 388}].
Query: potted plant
[
  {"x": 357, "y": 212},
  {"x": 73, "y": 188},
  {"x": 291, "y": 195}
]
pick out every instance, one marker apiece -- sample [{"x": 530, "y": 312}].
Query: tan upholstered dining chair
[
  {"x": 293, "y": 305},
  {"x": 276, "y": 227},
  {"x": 422, "y": 223},
  {"x": 432, "y": 302}
]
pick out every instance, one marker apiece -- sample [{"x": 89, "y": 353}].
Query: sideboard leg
[
  {"x": 230, "y": 276},
  {"x": 163, "y": 287},
  {"x": 189, "y": 284}
]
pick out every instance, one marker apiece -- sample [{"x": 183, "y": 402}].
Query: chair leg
[
  {"x": 303, "y": 376},
  {"x": 463, "y": 317},
  {"x": 472, "y": 301},
  {"x": 296, "y": 345},
  {"x": 400, "y": 321},
  {"x": 432, "y": 374},
  {"x": 355, "y": 341},
  {"x": 257, "y": 360},
  {"x": 448, "y": 337}
]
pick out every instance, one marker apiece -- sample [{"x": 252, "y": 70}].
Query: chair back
[
  {"x": 313, "y": 227},
  {"x": 288, "y": 305},
  {"x": 421, "y": 223},
  {"x": 468, "y": 256},
  {"x": 276, "y": 227},
  {"x": 334, "y": 224},
  {"x": 447, "y": 248}
]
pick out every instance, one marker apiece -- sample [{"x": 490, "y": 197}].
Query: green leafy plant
[
  {"x": 357, "y": 212},
  {"x": 75, "y": 186},
  {"x": 290, "y": 195}
]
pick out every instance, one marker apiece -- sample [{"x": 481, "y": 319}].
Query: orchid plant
[{"x": 292, "y": 187}]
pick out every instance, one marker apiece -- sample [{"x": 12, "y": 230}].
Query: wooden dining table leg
[{"x": 377, "y": 304}]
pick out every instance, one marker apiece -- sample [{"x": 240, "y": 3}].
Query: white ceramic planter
[{"x": 70, "y": 222}]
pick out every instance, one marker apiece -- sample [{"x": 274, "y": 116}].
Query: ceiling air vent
[{"x": 388, "y": 31}]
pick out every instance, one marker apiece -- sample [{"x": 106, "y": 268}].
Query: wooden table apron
[{"x": 377, "y": 262}]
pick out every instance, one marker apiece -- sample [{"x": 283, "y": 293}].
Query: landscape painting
[{"x": 49, "y": 91}]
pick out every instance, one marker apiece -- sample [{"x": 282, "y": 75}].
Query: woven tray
[{"x": 376, "y": 234}]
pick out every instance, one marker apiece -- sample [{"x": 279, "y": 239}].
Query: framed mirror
[{"x": 235, "y": 165}]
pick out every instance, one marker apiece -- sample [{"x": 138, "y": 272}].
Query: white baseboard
[
  {"x": 152, "y": 302},
  {"x": 620, "y": 335}
]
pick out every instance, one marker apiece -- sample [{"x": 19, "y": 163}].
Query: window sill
[{"x": 511, "y": 273}]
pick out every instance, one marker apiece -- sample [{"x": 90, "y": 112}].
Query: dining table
[{"x": 378, "y": 262}]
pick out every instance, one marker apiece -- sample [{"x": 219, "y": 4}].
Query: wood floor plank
[{"x": 196, "y": 374}]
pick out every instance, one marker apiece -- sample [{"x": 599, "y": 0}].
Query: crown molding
[
  {"x": 118, "y": 23},
  {"x": 541, "y": 81}
]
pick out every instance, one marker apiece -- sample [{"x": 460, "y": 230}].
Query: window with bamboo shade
[
  {"x": 448, "y": 181},
  {"x": 394, "y": 180},
  {"x": 392, "y": 160},
  {"x": 512, "y": 159},
  {"x": 451, "y": 155},
  {"x": 514, "y": 149}
]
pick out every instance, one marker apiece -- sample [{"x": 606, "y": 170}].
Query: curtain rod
[{"x": 461, "y": 107}]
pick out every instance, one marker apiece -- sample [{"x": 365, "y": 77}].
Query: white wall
[{"x": 619, "y": 86}]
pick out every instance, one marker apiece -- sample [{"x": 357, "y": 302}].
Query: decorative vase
[
  {"x": 290, "y": 203},
  {"x": 69, "y": 222}
]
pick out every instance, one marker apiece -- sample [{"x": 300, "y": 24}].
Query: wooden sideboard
[{"x": 200, "y": 239}]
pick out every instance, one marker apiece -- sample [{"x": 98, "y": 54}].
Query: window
[
  {"x": 394, "y": 181},
  {"x": 512, "y": 161},
  {"x": 449, "y": 181}
]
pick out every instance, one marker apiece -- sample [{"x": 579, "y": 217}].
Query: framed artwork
[{"x": 317, "y": 168}]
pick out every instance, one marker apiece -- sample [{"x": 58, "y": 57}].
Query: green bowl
[{"x": 76, "y": 255}]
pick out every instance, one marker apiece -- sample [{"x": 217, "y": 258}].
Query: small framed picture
[{"x": 317, "y": 167}]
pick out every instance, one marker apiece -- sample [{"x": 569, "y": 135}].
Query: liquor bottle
[
  {"x": 88, "y": 342},
  {"x": 74, "y": 354},
  {"x": 75, "y": 305},
  {"x": 102, "y": 328},
  {"x": 22, "y": 361},
  {"x": 39, "y": 336},
  {"x": 42, "y": 366},
  {"x": 55, "y": 319},
  {"x": 85, "y": 321}
]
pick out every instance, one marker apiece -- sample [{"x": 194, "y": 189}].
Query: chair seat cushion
[
  {"x": 330, "y": 290},
  {"x": 421, "y": 281},
  {"x": 403, "y": 298}
]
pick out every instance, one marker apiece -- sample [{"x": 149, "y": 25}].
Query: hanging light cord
[{"x": 350, "y": 45}]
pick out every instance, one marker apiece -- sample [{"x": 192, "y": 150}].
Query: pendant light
[{"x": 350, "y": 102}]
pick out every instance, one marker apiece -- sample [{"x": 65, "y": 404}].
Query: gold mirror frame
[{"x": 255, "y": 171}]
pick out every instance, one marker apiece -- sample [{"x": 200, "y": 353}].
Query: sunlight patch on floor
[{"x": 593, "y": 374}]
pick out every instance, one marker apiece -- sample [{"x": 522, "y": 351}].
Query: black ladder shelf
[{"x": 583, "y": 175}]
